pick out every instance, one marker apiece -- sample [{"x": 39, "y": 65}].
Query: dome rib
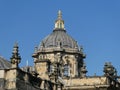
[{"x": 61, "y": 36}]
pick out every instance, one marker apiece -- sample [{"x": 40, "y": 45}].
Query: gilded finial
[
  {"x": 59, "y": 23},
  {"x": 59, "y": 14}
]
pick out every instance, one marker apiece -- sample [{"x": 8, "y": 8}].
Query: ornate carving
[{"x": 15, "y": 59}]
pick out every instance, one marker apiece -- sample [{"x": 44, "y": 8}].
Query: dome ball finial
[{"x": 59, "y": 14}]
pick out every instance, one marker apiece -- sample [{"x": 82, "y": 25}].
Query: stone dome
[{"x": 59, "y": 37}]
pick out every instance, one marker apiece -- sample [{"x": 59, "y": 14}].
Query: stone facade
[
  {"x": 14, "y": 78},
  {"x": 59, "y": 65}
]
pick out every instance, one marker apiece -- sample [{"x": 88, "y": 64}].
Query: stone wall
[{"x": 86, "y": 81}]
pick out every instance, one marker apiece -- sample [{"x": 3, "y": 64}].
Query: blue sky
[{"x": 95, "y": 24}]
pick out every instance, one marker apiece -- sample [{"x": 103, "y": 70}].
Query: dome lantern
[{"x": 59, "y": 23}]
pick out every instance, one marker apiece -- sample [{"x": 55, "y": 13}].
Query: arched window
[
  {"x": 66, "y": 70},
  {"x": 61, "y": 25}
]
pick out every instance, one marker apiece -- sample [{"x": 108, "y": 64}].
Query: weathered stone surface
[{"x": 58, "y": 65}]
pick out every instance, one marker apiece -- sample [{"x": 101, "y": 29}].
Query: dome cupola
[
  {"x": 59, "y": 48},
  {"x": 59, "y": 37}
]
